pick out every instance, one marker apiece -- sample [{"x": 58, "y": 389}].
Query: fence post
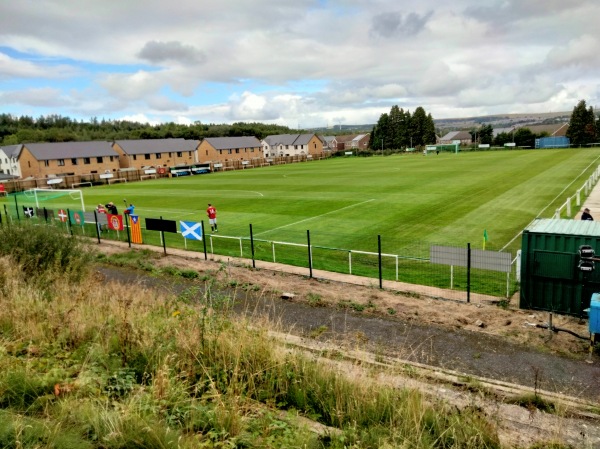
[
  {"x": 97, "y": 224},
  {"x": 162, "y": 236},
  {"x": 127, "y": 227},
  {"x": 17, "y": 208},
  {"x": 309, "y": 254},
  {"x": 252, "y": 246},
  {"x": 379, "y": 254},
  {"x": 468, "y": 272},
  {"x": 204, "y": 239}
]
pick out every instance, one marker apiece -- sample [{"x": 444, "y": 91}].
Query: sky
[{"x": 301, "y": 63}]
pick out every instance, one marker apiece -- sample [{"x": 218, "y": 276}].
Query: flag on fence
[
  {"x": 485, "y": 237},
  {"x": 76, "y": 217},
  {"x": 136, "y": 229},
  {"x": 28, "y": 211},
  {"x": 115, "y": 222},
  {"x": 191, "y": 230}
]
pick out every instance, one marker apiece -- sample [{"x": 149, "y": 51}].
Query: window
[
  {"x": 99, "y": 159},
  {"x": 61, "y": 162},
  {"x": 179, "y": 154},
  {"x": 74, "y": 161},
  {"x": 189, "y": 153},
  {"x": 237, "y": 151},
  {"x": 86, "y": 160},
  {"x": 169, "y": 154},
  {"x": 229, "y": 151},
  {"x": 46, "y": 163},
  {"x": 135, "y": 157},
  {"x": 111, "y": 158},
  {"x": 207, "y": 152},
  {"x": 158, "y": 155},
  {"x": 147, "y": 157}
]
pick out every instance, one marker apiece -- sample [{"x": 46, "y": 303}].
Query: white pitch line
[
  {"x": 548, "y": 205},
  {"x": 318, "y": 216}
]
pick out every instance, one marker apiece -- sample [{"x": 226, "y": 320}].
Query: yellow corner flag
[{"x": 485, "y": 238}]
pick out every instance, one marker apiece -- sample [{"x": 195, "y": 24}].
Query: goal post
[{"x": 53, "y": 198}]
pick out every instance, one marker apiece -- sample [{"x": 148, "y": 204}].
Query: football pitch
[{"x": 409, "y": 200}]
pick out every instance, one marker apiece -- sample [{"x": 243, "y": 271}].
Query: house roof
[
  {"x": 288, "y": 139},
  {"x": 226, "y": 143},
  {"x": 67, "y": 150},
  {"x": 329, "y": 139},
  {"x": 345, "y": 138},
  {"x": 359, "y": 137},
  {"x": 147, "y": 146},
  {"x": 12, "y": 151}
]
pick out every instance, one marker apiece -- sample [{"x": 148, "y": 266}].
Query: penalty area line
[{"x": 317, "y": 216}]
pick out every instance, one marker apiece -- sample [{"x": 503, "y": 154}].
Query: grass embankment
[{"x": 87, "y": 364}]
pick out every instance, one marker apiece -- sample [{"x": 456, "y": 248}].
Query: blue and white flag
[{"x": 191, "y": 230}]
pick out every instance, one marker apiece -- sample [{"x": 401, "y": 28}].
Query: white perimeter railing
[{"x": 586, "y": 188}]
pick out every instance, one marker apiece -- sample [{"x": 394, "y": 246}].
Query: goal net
[{"x": 53, "y": 198}]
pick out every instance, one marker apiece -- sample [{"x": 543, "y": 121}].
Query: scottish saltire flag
[
  {"x": 28, "y": 211},
  {"x": 76, "y": 217},
  {"x": 136, "y": 228},
  {"x": 191, "y": 230}
]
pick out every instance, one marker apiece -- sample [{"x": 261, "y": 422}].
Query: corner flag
[{"x": 485, "y": 237}]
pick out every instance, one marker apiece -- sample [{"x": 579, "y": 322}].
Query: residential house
[
  {"x": 360, "y": 142},
  {"x": 40, "y": 160},
  {"x": 329, "y": 143},
  {"x": 156, "y": 153},
  {"x": 291, "y": 145},
  {"x": 9, "y": 160},
  {"x": 464, "y": 137},
  {"x": 223, "y": 149}
]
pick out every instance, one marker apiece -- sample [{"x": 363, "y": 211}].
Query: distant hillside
[{"x": 466, "y": 123}]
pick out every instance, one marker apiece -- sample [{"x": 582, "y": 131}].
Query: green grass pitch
[
  {"x": 446, "y": 199},
  {"x": 410, "y": 201}
]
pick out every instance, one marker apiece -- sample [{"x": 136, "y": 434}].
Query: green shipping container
[{"x": 550, "y": 276}]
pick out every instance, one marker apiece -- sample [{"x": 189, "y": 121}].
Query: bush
[{"x": 44, "y": 251}]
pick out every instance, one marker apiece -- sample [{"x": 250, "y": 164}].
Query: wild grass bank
[{"x": 89, "y": 364}]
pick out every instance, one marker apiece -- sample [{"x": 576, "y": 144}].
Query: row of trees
[
  {"x": 55, "y": 128},
  {"x": 401, "y": 129}
]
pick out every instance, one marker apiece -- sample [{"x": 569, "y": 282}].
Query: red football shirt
[{"x": 212, "y": 212}]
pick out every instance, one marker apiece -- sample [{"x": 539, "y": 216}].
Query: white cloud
[
  {"x": 41, "y": 97},
  {"x": 302, "y": 61}
]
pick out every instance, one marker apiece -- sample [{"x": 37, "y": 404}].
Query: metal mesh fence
[{"x": 391, "y": 257}]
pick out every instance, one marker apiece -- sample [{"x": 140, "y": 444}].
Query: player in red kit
[{"x": 212, "y": 217}]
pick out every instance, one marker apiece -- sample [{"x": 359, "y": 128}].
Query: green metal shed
[{"x": 550, "y": 277}]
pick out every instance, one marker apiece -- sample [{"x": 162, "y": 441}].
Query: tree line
[
  {"x": 399, "y": 129},
  {"x": 55, "y": 128}
]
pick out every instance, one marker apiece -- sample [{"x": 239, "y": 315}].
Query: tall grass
[{"x": 102, "y": 365}]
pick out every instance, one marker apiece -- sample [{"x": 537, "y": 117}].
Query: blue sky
[{"x": 304, "y": 63}]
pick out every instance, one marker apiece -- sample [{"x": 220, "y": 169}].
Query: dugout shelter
[{"x": 556, "y": 275}]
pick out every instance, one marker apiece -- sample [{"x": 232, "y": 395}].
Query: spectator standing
[
  {"x": 586, "y": 216},
  {"x": 111, "y": 209}
]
